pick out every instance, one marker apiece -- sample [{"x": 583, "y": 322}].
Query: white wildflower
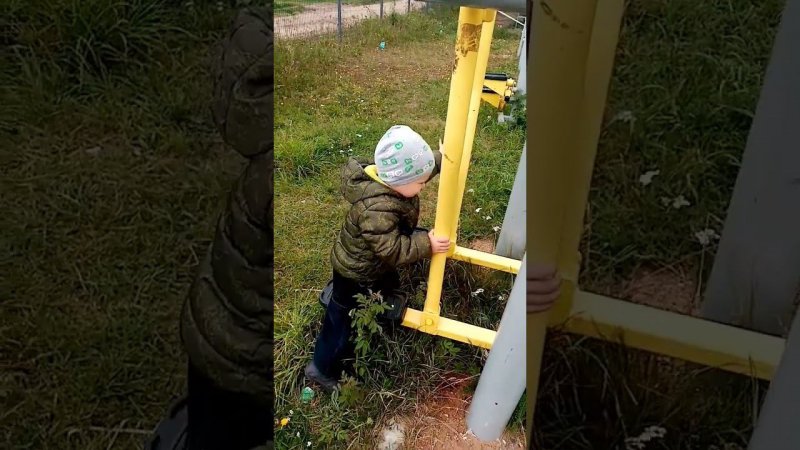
[
  {"x": 496, "y": 228},
  {"x": 471, "y": 191},
  {"x": 647, "y": 177},
  {"x": 476, "y": 293},
  {"x": 679, "y": 202},
  {"x": 706, "y": 236},
  {"x": 477, "y": 209},
  {"x": 649, "y": 434},
  {"x": 624, "y": 116}
]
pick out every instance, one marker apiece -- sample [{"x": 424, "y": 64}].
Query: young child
[{"x": 379, "y": 235}]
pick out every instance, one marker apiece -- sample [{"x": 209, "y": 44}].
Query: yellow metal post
[
  {"x": 468, "y": 38},
  {"x": 600, "y": 63},
  {"x": 559, "y": 49},
  {"x": 474, "y": 107}
]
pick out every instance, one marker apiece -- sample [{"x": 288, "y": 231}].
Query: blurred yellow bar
[
  {"x": 561, "y": 34},
  {"x": 679, "y": 336}
]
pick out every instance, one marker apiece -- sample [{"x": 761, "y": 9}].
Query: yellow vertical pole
[
  {"x": 600, "y": 64},
  {"x": 558, "y": 53},
  {"x": 468, "y": 37},
  {"x": 475, "y": 106}
]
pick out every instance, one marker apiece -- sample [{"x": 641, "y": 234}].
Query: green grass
[{"x": 112, "y": 175}]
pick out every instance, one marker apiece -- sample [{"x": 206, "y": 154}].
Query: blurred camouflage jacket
[
  {"x": 226, "y": 323},
  {"x": 378, "y": 233}
]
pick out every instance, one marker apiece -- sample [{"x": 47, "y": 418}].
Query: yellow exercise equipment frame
[{"x": 473, "y": 41}]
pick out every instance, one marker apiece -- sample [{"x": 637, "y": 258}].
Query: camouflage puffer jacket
[
  {"x": 378, "y": 233},
  {"x": 226, "y": 323}
]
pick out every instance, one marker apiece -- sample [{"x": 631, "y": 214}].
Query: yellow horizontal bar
[
  {"x": 452, "y": 329},
  {"x": 684, "y": 337},
  {"x": 484, "y": 259}
]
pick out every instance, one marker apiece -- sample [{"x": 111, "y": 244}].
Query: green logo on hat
[
  {"x": 398, "y": 145},
  {"x": 408, "y": 168},
  {"x": 409, "y": 161},
  {"x": 419, "y": 171}
]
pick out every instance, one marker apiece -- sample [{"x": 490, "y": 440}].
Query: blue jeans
[{"x": 334, "y": 344}]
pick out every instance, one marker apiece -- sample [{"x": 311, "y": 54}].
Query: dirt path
[
  {"x": 441, "y": 424},
  {"x": 320, "y": 18}
]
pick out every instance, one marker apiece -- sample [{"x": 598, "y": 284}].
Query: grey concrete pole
[
  {"x": 511, "y": 242},
  {"x": 756, "y": 273},
  {"x": 777, "y": 427},
  {"x": 503, "y": 379}
]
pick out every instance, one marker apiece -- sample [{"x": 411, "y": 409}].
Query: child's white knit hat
[{"x": 402, "y": 156}]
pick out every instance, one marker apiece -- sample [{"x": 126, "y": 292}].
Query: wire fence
[{"x": 305, "y": 18}]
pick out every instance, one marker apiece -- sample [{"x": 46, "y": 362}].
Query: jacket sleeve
[
  {"x": 380, "y": 230},
  {"x": 244, "y": 86}
]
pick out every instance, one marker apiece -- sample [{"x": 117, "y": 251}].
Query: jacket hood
[{"x": 357, "y": 185}]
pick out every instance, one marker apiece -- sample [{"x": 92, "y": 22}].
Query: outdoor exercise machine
[
  {"x": 756, "y": 274},
  {"x": 473, "y": 41},
  {"x": 493, "y": 403}
]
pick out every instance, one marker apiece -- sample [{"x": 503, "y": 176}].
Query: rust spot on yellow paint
[{"x": 469, "y": 38}]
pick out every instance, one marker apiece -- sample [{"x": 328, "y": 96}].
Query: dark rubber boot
[
  {"x": 326, "y": 295},
  {"x": 397, "y": 306},
  {"x": 327, "y": 384},
  {"x": 171, "y": 432}
]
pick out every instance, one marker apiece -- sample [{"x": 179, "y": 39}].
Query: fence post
[
  {"x": 502, "y": 380},
  {"x": 511, "y": 242},
  {"x": 522, "y": 78},
  {"x": 339, "y": 19},
  {"x": 408, "y": 8},
  {"x": 381, "y": 9},
  {"x": 755, "y": 277}
]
